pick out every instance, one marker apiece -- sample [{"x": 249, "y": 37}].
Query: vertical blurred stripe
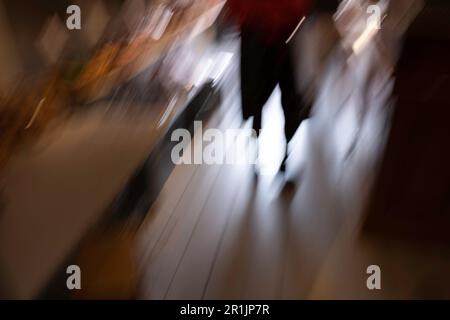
[{"x": 9, "y": 62}]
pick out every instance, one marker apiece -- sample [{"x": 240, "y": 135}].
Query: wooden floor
[{"x": 220, "y": 232}]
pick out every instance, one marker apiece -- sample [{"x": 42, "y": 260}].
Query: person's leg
[
  {"x": 294, "y": 108},
  {"x": 258, "y": 76}
]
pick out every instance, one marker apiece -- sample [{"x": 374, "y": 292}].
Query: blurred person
[{"x": 267, "y": 28}]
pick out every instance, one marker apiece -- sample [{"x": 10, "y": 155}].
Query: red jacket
[{"x": 274, "y": 19}]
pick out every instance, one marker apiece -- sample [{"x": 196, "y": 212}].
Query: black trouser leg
[
  {"x": 259, "y": 76},
  {"x": 291, "y": 101}
]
